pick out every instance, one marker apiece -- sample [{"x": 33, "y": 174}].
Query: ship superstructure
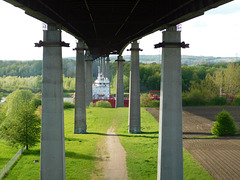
[{"x": 101, "y": 87}]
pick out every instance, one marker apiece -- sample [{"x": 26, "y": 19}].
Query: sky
[{"x": 216, "y": 33}]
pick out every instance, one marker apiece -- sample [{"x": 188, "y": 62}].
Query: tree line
[
  {"x": 32, "y": 68},
  {"x": 27, "y": 75}
]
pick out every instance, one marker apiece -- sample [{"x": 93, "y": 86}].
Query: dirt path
[
  {"x": 116, "y": 168},
  {"x": 219, "y": 156}
]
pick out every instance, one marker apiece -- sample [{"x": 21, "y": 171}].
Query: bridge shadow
[
  {"x": 74, "y": 155},
  {"x": 74, "y": 139},
  {"x": 197, "y": 133},
  {"x": 142, "y": 134}
]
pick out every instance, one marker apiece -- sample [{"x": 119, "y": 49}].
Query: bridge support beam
[
  {"x": 170, "y": 151},
  {"x": 134, "y": 117},
  {"x": 80, "y": 125},
  {"x": 89, "y": 77},
  {"x": 108, "y": 68},
  {"x": 103, "y": 67},
  {"x": 120, "y": 87},
  {"x": 108, "y": 72},
  {"x": 52, "y": 131}
]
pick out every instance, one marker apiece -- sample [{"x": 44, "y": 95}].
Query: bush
[
  {"x": 104, "y": 104},
  {"x": 237, "y": 101},
  {"x": 67, "y": 105},
  {"x": 225, "y": 124},
  {"x": 155, "y": 103},
  {"x": 194, "y": 98},
  {"x": 145, "y": 100},
  {"x": 92, "y": 104},
  {"x": 217, "y": 100}
]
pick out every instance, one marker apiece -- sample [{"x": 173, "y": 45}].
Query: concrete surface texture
[
  {"x": 134, "y": 117},
  {"x": 170, "y": 151},
  {"x": 80, "y": 125},
  {"x": 52, "y": 131},
  {"x": 120, "y": 87}
]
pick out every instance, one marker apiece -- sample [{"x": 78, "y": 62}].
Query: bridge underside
[{"x": 107, "y": 26}]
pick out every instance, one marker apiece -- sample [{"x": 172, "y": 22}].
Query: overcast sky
[{"x": 217, "y": 33}]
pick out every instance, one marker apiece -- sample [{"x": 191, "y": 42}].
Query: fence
[{"x": 8, "y": 166}]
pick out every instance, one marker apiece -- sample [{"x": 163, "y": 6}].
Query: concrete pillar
[
  {"x": 108, "y": 68},
  {"x": 52, "y": 131},
  {"x": 108, "y": 72},
  {"x": 103, "y": 67},
  {"x": 80, "y": 125},
  {"x": 89, "y": 77},
  {"x": 134, "y": 117},
  {"x": 100, "y": 64},
  {"x": 170, "y": 151},
  {"x": 120, "y": 87}
]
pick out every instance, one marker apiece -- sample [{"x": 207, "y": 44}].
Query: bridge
[{"x": 102, "y": 28}]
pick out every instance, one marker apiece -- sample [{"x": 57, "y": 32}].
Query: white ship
[{"x": 101, "y": 87}]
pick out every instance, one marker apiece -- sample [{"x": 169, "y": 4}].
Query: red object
[
  {"x": 155, "y": 96},
  {"x": 113, "y": 101}
]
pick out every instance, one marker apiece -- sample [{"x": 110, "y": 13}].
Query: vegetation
[
  {"x": 82, "y": 149},
  {"x": 225, "y": 125},
  {"x": 201, "y": 84},
  {"x": 6, "y": 153},
  {"x": 146, "y": 101},
  {"x": 1, "y": 95},
  {"x": 68, "y": 105},
  {"x": 104, "y": 104},
  {"x": 21, "y": 125}
]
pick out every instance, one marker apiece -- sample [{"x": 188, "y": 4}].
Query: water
[
  {"x": 69, "y": 99},
  {"x": 3, "y": 100}
]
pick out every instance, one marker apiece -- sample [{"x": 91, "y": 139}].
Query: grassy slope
[
  {"x": 81, "y": 149},
  {"x": 6, "y": 153}
]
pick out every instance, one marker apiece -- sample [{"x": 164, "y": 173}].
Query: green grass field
[
  {"x": 81, "y": 149},
  {"x": 6, "y": 153}
]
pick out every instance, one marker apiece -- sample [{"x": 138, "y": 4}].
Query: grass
[
  {"x": 142, "y": 151},
  {"x": 6, "y": 153},
  {"x": 68, "y": 94},
  {"x": 81, "y": 149}
]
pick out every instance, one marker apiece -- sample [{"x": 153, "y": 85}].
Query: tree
[
  {"x": 218, "y": 79},
  {"x": 225, "y": 124},
  {"x": 21, "y": 125},
  {"x": 232, "y": 79}
]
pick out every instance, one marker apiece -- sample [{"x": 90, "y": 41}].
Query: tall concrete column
[
  {"x": 120, "y": 87},
  {"x": 103, "y": 67},
  {"x": 100, "y": 64},
  {"x": 52, "y": 131},
  {"x": 108, "y": 72},
  {"x": 88, "y": 79},
  {"x": 170, "y": 151},
  {"x": 80, "y": 125},
  {"x": 108, "y": 68},
  {"x": 134, "y": 117}
]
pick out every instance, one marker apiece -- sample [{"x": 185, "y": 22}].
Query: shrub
[
  {"x": 194, "y": 98},
  {"x": 145, "y": 100},
  {"x": 217, "y": 100},
  {"x": 237, "y": 101},
  {"x": 92, "y": 104},
  {"x": 225, "y": 124},
  {"x": 67, "y": 104},
  {"x": 155, "y": 103},
  {"x": 104, "y": 104}
]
